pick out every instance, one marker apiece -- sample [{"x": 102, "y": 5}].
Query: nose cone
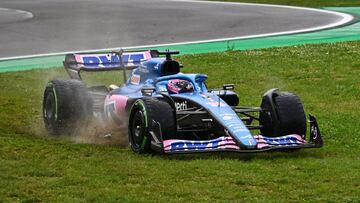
[
  {"x": 237, "y": 129},
  {"x": 246, "y": 140}
]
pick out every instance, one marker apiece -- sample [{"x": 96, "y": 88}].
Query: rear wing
[{"x": 75, "y": 63}]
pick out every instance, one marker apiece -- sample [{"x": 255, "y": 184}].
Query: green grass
[
  {"x": 307, "y": 3},
  {"x": 35, "y": 168}
]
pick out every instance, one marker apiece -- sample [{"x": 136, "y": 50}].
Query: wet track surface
[{"x": 66, "y": 25}]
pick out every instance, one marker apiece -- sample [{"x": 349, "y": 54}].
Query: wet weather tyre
[
  {"x": 292, "y": 119},
  {"x": 66, "y": 106},
  {"x": 145, "y": 114},
  {"x": 290, "y": 115}
]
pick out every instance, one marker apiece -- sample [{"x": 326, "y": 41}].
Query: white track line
[
  {"x": 26, "y": 14},
  {"x": 346, "y": 18}
]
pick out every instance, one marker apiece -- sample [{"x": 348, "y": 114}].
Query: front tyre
[
  {"x": 286, "y": 116},
  {"x": 145, "y": 114}
]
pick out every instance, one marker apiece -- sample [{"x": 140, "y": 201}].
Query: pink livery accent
[
  {"x": 114, "y": 107},
  {"x": 147, "y": 55},
  {"x": 119, "y": 100},
  {"x": 78, "y": 58}
]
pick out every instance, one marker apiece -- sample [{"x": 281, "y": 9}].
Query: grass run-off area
[
  {"x": 35, "y": 168},
  {"x": 307, "y": 3}
]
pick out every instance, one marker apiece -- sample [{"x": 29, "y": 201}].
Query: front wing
[{"x": 227, "y": 143}]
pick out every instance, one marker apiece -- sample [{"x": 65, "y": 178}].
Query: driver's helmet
[{"x": 176, "y": 86}]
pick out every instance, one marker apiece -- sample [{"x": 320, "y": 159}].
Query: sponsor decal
[
  {"x": 193, "y": 145},
  {"x": 216, "y": 104},
  {"x": 181, "y": 106},
  {"x": 213, "y": 103},
  {"x": 135, "y": 58},
  {"x": 247, "y": 136},
  {"x": 112, "y": 59},
  {"x": 100, "y": 60},
  {"x": 240, "y": 130},
  {"x": 227, "y": 117},
  {"x": 314, "y": 131},
  {"x": 236, "y": 125},
  {"x": 289, "y": 140},
  {"x": 135, "y": 79}
]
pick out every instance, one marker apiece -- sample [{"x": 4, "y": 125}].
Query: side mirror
[{"x": 228, "y": 87}]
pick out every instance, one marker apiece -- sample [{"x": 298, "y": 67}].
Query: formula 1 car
[{"x": 167, "y": 111}]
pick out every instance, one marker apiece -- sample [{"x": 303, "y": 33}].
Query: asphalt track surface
[{"x": 30, "y": 27}]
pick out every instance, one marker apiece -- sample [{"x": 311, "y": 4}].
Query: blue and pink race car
[{"x": 167, "y": 111}]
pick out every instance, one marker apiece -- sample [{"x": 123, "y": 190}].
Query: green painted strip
[
  {"x": 347, "y": 33},
  {"x": 31, "y": 63},
  {"x": 342, "y": 34}
]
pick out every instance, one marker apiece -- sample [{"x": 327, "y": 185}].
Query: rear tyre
[
  {"x": 66, "y": 106},
  {"x": 288, "y": 116},
  {"x": 145, "y": 114}
]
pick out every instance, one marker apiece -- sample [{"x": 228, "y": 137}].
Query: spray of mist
[{"x": 94, "y": 131}]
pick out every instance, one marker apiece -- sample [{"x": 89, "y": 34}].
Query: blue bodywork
[{"x": 149, "y": 74}]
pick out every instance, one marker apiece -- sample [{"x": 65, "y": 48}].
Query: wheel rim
[
  {"x": 138, "y": 128},
  {"x": 49, "y": 107}
]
